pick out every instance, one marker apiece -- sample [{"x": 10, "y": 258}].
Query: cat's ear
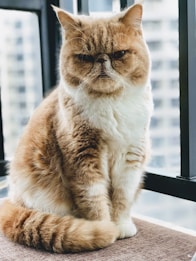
[
  {"x": 133, "y": 16},
  {"x": 66, "y": 20}
]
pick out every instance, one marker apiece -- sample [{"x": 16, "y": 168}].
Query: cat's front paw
[{"x": 126, "y": 228}]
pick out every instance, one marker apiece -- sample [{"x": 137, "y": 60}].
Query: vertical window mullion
[
  {"x": 1, "y": 136},
  {"x": 126, "y": 3},
  {"x": 83, "y": 7},
  {"x": 187, "y": 64},
  {"x": 49, "y": 47},
  {"x": 49, "y": 41}
]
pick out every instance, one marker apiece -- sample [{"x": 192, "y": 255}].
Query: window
[
  {"x": 21, "y": 89},
  {"x": 155, "y": 24},
  {"x": 25, "y": 65},
  {"x": 154, "y": 45},
  {"x": 164, "y": 69},
  {"x": 18, "y": 67},
  {"x": 186, "y": 78},
  {"x": 173, "y": 25},
  {"x": 157, "y": 64},
  {"x": 158, "y": 103},
  {"x": 156, "y": 84}
]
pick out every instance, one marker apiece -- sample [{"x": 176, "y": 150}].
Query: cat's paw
[{"x": 126, "y": 228}]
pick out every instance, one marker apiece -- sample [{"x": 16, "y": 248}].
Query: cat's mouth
[{"x": 103, "y": 75}]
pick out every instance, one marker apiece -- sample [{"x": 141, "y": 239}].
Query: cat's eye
[
  {"x": 117, "y": 55},
  {"x": 85, "y": 58}
]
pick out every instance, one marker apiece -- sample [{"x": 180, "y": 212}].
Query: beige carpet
[{"x": 152, "y": 243}]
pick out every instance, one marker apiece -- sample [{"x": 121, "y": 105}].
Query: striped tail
[{"x": 53, "y": 233}]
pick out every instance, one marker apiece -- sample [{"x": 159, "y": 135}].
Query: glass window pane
[
  {"x": 20, "y": 73},
  {"x": 160, "y": 22},
  {"x": 166, "y": 208},
  {"x": 100, "y": 6}
]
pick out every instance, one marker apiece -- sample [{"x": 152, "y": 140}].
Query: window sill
[
  {"x": 166, "y": 225},
  {"x": 152, "y": 242}
]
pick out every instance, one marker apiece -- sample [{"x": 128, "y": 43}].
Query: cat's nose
[{"x": 101, "y": 59}]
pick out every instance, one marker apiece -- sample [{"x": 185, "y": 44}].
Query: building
[
  {"x": 20, "y": 73},
  {"x": 161, "y": 31}
]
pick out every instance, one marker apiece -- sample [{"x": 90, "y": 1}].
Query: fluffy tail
[{"x": 53, "y": 233}]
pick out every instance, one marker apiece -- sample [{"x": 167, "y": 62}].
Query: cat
[{"x": 79, "y": 164}]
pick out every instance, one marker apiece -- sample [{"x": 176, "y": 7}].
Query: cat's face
[{"x": 103, "y": 56}]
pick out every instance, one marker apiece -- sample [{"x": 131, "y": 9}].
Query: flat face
[{"x": 102, "y": 54}]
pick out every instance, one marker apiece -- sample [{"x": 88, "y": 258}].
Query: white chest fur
[{"x": 123, "y": 120}]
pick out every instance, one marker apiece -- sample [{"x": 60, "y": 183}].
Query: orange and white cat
[{"x": 80, "y": 161}]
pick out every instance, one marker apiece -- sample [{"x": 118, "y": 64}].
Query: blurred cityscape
[
  {"x": 161, "y": 33},
  {"x": 21, "y": 92},
  {"x": 20, "y": 73}
]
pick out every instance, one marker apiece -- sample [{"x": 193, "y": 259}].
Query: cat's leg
[
  {"x": 126, "y": 184},
  {"x": 91, "y": 199},
  {"x": 89, "y": 186}
]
